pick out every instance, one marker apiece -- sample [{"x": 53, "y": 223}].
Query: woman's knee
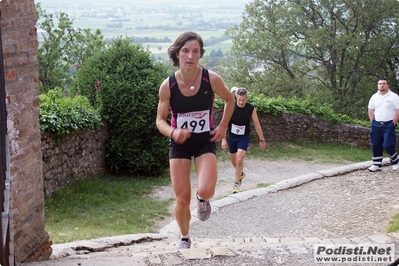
[
  {"x": 206, "y": 193},
  {"x": 240, "y": 161}
]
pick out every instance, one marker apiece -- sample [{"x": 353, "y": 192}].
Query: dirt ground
[{"x": 258, "y": 172}]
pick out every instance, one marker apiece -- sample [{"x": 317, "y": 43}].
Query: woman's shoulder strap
[{"x": 172, "y": 80}]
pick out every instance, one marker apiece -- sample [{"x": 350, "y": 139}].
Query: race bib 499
[{"x": 197, "y": 121}]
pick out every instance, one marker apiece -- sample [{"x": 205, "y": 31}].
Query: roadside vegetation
[
  {"x": 308, "y": 106},
  {"x": 63, "y": 115}
]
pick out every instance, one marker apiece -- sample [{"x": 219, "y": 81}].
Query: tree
[
  {"x": 331, "y": 49},
  {"x": 62, "y": 49},
  {"x": 123, "y": 82}
]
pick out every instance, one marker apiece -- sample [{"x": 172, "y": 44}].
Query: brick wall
[{"x": 20, "y": 45}]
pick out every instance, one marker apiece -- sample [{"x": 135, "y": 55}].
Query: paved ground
[{"x": 277, "y": 225}]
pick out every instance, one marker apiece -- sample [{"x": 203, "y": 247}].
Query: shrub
[
  {"x": 123, "y": 81},
  {"x": 63, "y": 114}
]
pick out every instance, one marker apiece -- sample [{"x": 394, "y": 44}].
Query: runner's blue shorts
[{"x": 238, "y": 142}]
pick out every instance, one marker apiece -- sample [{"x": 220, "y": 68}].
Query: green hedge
[
  {"x": 63, "y": 114},
  {"x": 123, "y": 82},
  {"x": 280, "y": 105}
]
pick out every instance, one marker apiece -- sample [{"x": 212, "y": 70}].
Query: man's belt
[{"x": 383, "y": 123}]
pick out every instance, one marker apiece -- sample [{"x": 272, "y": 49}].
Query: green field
[
  {"x": 158, "y": 19},
  {"x": 224, "y": 46}
]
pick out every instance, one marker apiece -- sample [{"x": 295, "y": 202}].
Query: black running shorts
[{"x": 187, "y": 151}]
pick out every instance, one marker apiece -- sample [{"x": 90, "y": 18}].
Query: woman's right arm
[{"x": 163, "y": 109}]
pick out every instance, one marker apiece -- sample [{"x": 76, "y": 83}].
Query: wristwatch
[{"x": 262, "y": 140}]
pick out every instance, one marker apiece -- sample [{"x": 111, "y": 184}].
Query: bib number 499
[
  {"x": 197, "y": 122},
  {"x": 193, "y": 125}
]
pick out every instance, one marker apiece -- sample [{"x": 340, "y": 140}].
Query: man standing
[
  {"x": 239, "y": 134},
  {"x": 383, "y": 111}
]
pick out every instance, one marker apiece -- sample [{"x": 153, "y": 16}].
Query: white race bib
[
  {"x": 238, "y": 130},
  {"x": 197, "y": 121}
]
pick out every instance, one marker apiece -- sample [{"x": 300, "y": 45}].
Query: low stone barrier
[
  {"x": 66, "y": 158},
  {"x": 299, "y": 127}
]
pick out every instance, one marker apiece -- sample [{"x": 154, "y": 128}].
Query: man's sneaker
[
  {"x": 204, "y": 209},
  {"x": 185, "y": 243},
  {"x": 395, "y": 167},
  {"x": 241, "y": 177},
  {"x": 236, "y": 188},
  {"x": 374, "y": 168}
]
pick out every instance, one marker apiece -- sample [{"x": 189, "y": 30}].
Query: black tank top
[
  {"x": 193, "y": 112},
  {"x": 241, "y": 117}
]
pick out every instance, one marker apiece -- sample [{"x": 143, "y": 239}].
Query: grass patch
[
  {"x": 393, "y": 224},
  {"x": 104, "y": 206},
  {"x": 328, "y": 153},
  {"x": 312, "y": 152},
  {"x": 263, "y": 185}
]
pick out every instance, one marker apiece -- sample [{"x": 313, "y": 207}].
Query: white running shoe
[
  {"x": 395, "y": 167},
  {"x": 374, "y": 168}
]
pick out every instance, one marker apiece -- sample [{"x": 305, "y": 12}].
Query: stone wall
[
  {"x": 284, "y": 127},
  {"x": 66, "y": 158},
  {"x": 308, "y": 128},
  {"x": 20, "y": 44}
]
